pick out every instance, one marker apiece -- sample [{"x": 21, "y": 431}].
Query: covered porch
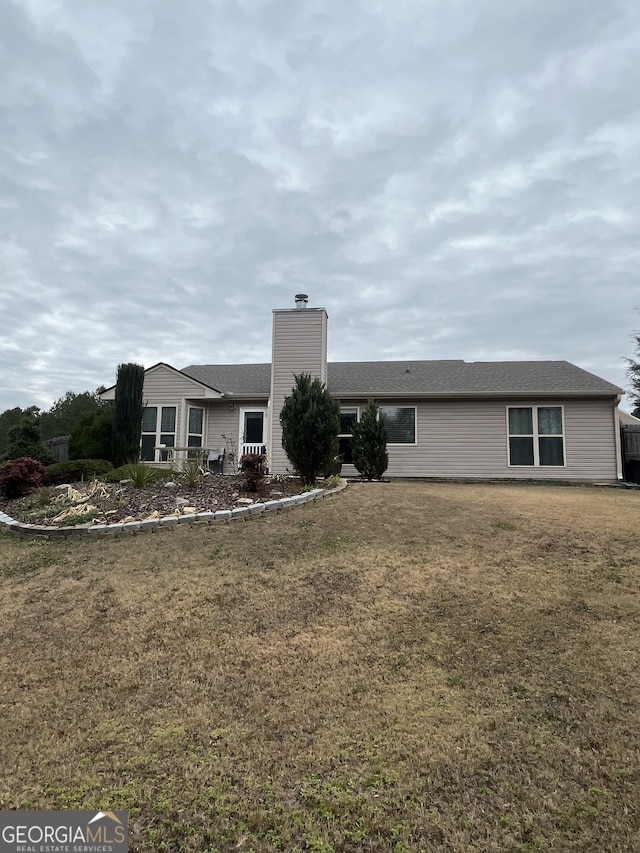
[{"x": 216, "y": 433}]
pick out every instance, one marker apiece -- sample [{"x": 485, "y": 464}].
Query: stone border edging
[{"x": 221, "y": 516}]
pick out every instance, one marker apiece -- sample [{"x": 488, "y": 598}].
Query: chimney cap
[{"x": 301, "y": 300}]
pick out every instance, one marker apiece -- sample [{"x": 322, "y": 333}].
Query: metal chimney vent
[{"x": 301, "y": 301}]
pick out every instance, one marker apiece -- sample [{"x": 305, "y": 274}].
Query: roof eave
[
  {"x": 476, "y": 395},
  {"x": 239, "y": 396},
  {"x": 109, "y": 393}
]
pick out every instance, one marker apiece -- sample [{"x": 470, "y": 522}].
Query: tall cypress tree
[
  {"x": 127, "y": 422},
  {"x": 369, "y": 444},
  {"x": 310, "y": 419}
]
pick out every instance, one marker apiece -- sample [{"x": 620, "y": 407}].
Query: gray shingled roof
[
  {"x": 419, "y": 378},
  {"x": 234, "y": 379}
]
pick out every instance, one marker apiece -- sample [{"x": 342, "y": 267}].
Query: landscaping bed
[{"x": 103, "y": 502}]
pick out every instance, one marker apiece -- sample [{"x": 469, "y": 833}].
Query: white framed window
[
  {"x": 536, "y": 436},
  {"x": 349, "y": 415},
  {"x": 195, "y": 426},
  {"x": 158, "y": 428},
  {"x": 400, "y": 422}
]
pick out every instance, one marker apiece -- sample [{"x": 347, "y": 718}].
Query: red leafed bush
[
  {"x": 253, "y": 467},
  {"x": 20, "y": 476}
]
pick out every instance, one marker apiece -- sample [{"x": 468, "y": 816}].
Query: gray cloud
[{"x": 447, "y": 182}]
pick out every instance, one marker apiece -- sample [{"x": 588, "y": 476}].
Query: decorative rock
[
  {"x": 77, "y": 511},
  {"x": 244, "y": 501},
  {"x": 153, "y": 516},
  {"x": 128, "y": 519},
  {"x": 181, "y": 501},
  {"x": 235, "y": 496},
  {"x": 170, "y": 485},
  {"x": 126, "y": 482},
  {"x": 189, "y": 510},
  {"x": 274, "y": 493}
]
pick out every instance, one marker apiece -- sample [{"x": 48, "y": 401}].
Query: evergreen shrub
[{"x": 76, "y": 470}]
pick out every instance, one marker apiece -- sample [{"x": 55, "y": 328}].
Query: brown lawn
[{"x": 403, "y": 667}]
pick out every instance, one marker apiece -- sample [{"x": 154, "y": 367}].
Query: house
[{"x": 525, "y": 420}]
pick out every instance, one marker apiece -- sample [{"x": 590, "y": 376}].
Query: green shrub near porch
[{"x": 76, "y": 470}]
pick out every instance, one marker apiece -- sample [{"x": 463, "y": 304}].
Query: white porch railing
[{"x": 252, "y": 448}]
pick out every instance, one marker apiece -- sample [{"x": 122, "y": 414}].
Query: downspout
[
  {"x": 616, "y": 422},
  {"x": 268, "y": 427}
]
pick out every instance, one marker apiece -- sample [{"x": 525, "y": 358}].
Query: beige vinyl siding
[
  {"x": 299, "y": 346},
  {"x": 163, "y": 383},
  {"x": 221, "y": 420},
  {"x": 469, "y": 439},
  {"x": 166, "y": 387}
]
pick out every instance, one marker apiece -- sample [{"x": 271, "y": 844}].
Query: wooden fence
[
  {"x": 630, "y": 442},
  {"x": 59, "y": 447}
]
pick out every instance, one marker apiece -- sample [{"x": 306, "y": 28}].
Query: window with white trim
[
  {"x": 158, "y": 428},
  {"x": 196, "y": 426},
  {"x": 400, "y": 422},
  {"x": 536, "y": 436},
  {"x": 349, "y": 416}
]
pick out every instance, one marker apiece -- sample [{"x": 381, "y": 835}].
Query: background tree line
[
  {"x": 83, "y": 417},
  {"x": 97, "y": 429}
]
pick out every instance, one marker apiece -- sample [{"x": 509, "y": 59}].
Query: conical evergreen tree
[
  {"x": 369, "y": 444},
  {"x": 310, "y": 420}
]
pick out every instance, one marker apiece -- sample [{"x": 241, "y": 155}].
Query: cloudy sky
[{"x": 449, "y": 178}]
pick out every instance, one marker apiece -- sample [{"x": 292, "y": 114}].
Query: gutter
[{"x": 469, "y": 395}]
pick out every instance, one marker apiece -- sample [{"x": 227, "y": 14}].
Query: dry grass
[{"x": 405, "y": 667}]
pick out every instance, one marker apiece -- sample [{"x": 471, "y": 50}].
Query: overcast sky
[{"x": 449, "y": 179}]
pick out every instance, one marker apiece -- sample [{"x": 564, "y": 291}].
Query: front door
[{"x": 253, "y": 431}]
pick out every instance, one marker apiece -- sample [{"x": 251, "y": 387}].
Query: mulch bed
[{"x": 121, "y": 501}]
